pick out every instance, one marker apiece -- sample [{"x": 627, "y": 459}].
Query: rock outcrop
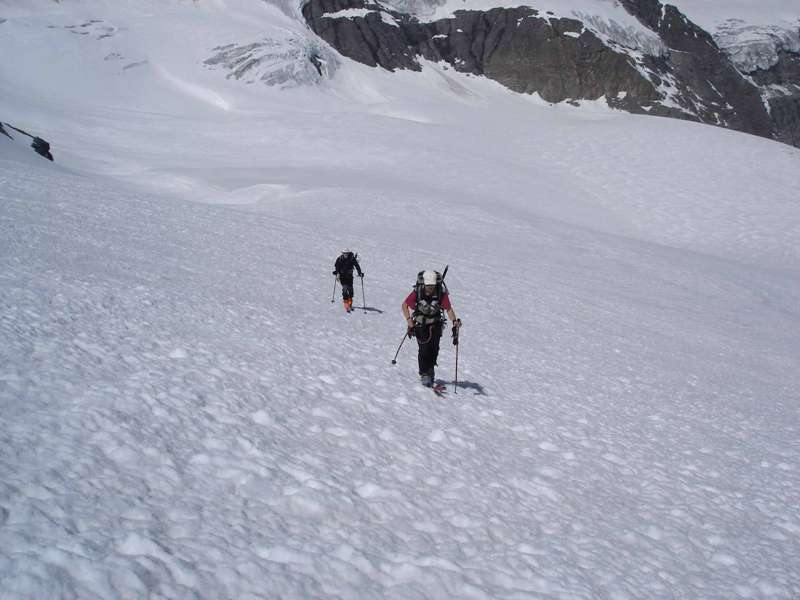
[
  {"x": 40, "y": 146},
  {"x": 781, "y": 85},
  {"x": 680, "y": 71}
]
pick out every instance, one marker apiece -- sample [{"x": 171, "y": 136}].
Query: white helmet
[
  {"x": 429, "y": 277},
  {"x": 346, "y": 251}
]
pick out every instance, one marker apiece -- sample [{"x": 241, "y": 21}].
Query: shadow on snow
[
  {"x": 465, "y": 385},
  {"x": 368, "y": 309}
]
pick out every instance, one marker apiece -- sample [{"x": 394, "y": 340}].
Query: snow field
[
  {"x": 186, "y": 414},
  {"x": 184, "y": 432}
]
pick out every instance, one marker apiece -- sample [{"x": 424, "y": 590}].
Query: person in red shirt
[{"x": 424, "y": 310}]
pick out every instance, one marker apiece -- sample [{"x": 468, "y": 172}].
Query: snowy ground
[{"x": 186, "y": 414}]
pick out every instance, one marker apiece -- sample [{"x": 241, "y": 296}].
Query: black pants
[
  {"x": 428, "y": 337},
  {"x": 347, "y": 285}
]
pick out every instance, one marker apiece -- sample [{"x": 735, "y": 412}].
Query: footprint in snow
[
  {"x": 178, "y": 353},
  {"x": 437, "y": 435},
  {"x": 337, "y": 431}
]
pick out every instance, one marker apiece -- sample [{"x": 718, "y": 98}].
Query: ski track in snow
[{"x": 187, "y": 415}]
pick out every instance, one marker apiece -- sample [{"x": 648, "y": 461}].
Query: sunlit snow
[{"x": 187, "y": 414}]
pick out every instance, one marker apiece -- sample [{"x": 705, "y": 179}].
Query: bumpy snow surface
[{"x": 187, "y": 414}]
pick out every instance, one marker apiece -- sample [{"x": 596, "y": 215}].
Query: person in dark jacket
[{"x": 343, "y": 270}]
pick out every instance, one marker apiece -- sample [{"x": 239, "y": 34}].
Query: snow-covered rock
[{"x": 753, "y": 47}]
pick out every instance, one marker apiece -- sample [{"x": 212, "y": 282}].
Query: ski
[{"x": 439, "y": 390}]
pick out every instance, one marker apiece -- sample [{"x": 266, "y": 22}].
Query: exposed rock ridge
[
  {"x": 39, "y": 145},
  {"x": 780, "y": 85},
  {"x": 562, "y": 59}
]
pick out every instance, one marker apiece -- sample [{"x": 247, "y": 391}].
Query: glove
[
  {"x": 456, "y": 324},
  {"x": 361, "y": 275},
  {"x": 410, "y": 331}
]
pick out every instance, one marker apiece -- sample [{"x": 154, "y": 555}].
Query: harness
[{"x": 428, "y": 309}]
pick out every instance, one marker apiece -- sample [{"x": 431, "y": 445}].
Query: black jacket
[{"x": 345, "y": 264}]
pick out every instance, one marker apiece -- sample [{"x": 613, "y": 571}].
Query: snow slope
[{"x": 186, "y": 413}]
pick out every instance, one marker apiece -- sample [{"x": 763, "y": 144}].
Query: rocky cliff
[{"x": 676, "y": 69}]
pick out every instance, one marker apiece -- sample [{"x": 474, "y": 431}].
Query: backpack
[
  {"x": 429, "y": 311},
  {"x": 346, "y": 261}
]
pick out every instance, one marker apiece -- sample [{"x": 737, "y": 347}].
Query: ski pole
[
  {"x": 363, "y": 301},
  {"x": 334, "y": 288},
  {"x": 455, "y": 383},
  {"x": 455, "y": 343},
  {"x": 394, "y": 360}
]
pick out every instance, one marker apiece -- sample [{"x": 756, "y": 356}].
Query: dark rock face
[
  {"x": 705, "y": 72},
  {"x": 785, "y": 111},
  {"x": 40, "y": 146},
  {"x": 785, "y": 72},
  {"x": 562, "y": 60},
  {"x": 517, "y": 47},
  {"x": 526, "y": 53},
  {"x": 784, "y": 102},
  {"x": 369, "y": 39}
]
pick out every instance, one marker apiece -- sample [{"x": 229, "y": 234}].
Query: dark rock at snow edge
[{"x": 39, "y": 145}]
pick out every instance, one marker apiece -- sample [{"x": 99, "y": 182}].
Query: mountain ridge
[{"x": 567, "y": 59}]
